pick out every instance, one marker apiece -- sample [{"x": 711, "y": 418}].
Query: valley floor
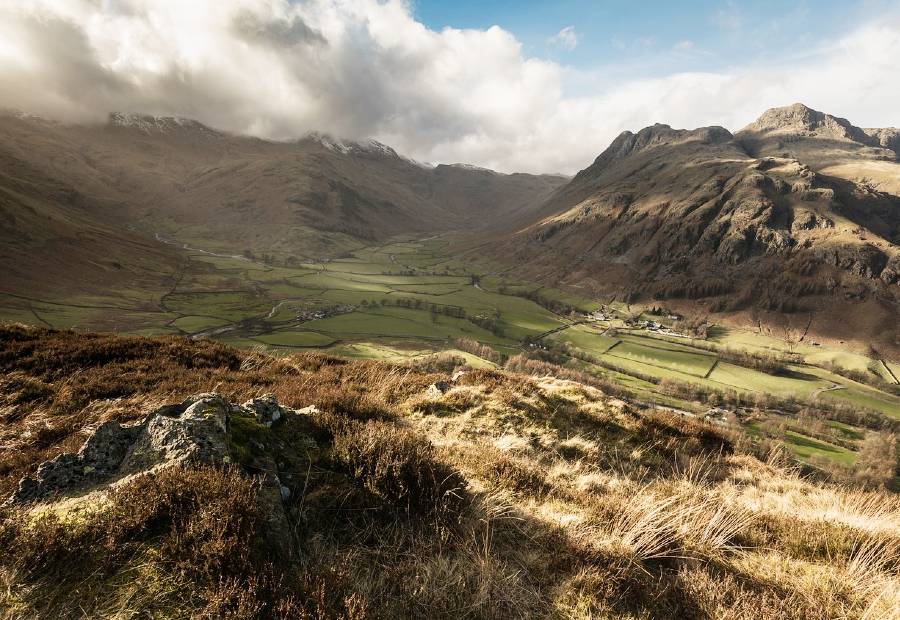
[{"x": 406, "y": 299}]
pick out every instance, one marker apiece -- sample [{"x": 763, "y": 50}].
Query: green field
[
  {"x": 807, "y": 447},
  {"x": 408, "y": 298}
]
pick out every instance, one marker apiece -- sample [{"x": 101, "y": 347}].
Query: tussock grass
[
  {"x": 509, "y": 496},
  {"x": 398, "y": 466}
]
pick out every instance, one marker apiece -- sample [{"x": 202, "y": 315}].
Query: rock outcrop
[
  {"x": 266, "y": 409},
  {"x": 194, "y": 431},
  {"x": 800, "y": 119}
]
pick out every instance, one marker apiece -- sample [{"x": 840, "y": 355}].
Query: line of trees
[
  {"x": 490, "y": 322},
  {"x": 866, "y": 377}
]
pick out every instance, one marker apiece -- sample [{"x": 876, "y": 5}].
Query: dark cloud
[
  {"x": 366, "y": 68},
  {"x": 278, "y": 33}
]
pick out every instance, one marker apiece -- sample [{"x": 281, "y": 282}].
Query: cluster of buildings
[{"x": 312, "y": 314}]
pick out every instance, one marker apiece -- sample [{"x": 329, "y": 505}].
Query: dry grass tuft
[
  {"x": 510, "y": 496},
  {"x": 398, "y": 466}
]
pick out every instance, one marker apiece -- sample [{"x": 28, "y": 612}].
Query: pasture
[{"x": 407, "y": 298}]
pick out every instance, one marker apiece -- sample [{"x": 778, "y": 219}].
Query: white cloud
[
  {"x": 566, "y": 38},
  {"x": 364, "y": 68}
]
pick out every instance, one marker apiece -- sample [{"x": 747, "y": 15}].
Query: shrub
[
  {"x": 398, "y": 466},
  {"x": 203, "y": 524}
]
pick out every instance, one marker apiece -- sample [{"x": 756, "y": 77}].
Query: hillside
[
  {"x": 72, "y": 193},
  {"x": 796, "y": 215},
  {"x": 793, "y": 221},
  {"x": 364, "y": 489}
]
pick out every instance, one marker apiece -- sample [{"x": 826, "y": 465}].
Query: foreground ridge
[{"x": 534, "y": 494}]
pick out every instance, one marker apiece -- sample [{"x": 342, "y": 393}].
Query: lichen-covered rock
[
  {"x": 197, "y": 434},
  {"x": 271, "y": 498},
  {"x": 193, "y": 431},
  {"x": 266, "y": 409},
  {"x": 98, "y": 459}
]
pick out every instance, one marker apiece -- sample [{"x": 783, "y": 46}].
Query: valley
[
  {"x": 415, "y": 300},
  {"x": 701, "y": 271},
  {"x": 405, "y": 309}
]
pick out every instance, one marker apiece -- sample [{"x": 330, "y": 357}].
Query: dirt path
[
  {"x": 215, "y": 331},
  {"x": 68, "y": 305},
  {"x": 185, "y": 246},
  {"x": 830, "y": 388},
  {"x": 275, "y": 308}
]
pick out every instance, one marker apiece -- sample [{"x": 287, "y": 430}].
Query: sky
[{"x": 510, "y": 85}]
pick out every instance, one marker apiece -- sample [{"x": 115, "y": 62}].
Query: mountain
[
  {"x": 75, "y": 197},
  {"x": 772, "y": 219},
  {"x": 828, "y": 144},
  {"x": 794, "y": 218}
]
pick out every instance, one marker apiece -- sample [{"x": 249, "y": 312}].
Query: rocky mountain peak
[
  {"x": 351, "y": 147},
  {"x": 628, "y": 143},
  {"x": 800, "y": 119},
  {"x": 887, "y": 137}
]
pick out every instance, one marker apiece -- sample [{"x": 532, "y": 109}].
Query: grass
[
  {"x": 192, "y": 324},
  {"x": 259, "y": 305},
  {"x": 684, "y": 362},
  {"x": 292, "y": 338},
  {"x": 849, "y": 432},
  {"x": 508, "y": 496},
  {"x": 871, "y": 399},
  {"x": 406, "y": 323},
  {"x": 807, "y": 447}
]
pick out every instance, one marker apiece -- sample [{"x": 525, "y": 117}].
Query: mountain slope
[
  {"x": 829, "y": 145},
  {"x": 742, "y": 223},
  {"x": 74, "y": 196},
  {"x": 57, "y": 239},
  {"x": 179, "y": 170}
]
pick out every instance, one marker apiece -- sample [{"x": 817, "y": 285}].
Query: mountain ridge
[
  {"x": 782, "y": 216},
  {"x": 139, "y": 175},
  {"x": 788, "y": 214}
]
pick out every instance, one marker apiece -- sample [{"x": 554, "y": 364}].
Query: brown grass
[{"x": 510, "y": 496}]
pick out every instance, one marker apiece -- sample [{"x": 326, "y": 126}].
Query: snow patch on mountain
[
  {"x": 360, "y": 147},
  {"x": 156, "y": 124}
]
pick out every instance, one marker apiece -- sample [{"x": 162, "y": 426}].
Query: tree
[{"x": 877, "y": 463}]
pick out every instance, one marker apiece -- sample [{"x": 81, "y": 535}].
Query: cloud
[
  {"x": 367, "y": 68},
  {"x": 279, "y": 33},
  {"x": 566, "y": 38}
]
